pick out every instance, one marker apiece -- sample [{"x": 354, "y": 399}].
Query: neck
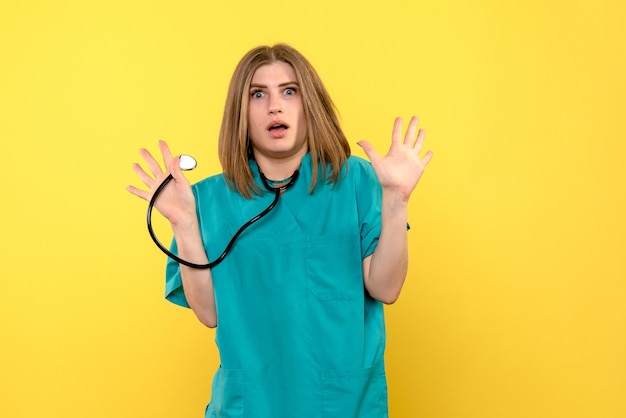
[{"x": 278, "y": 168}]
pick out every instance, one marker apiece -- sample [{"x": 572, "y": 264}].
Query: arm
[
  {"x": 177, "y": 203},
  {"x": 198, "y": 283},
  {"x": 399, "y": 171}
]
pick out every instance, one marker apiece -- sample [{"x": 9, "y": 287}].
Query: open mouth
[
  {"x": 278, "y": 126},
  {"x": 277, "y": 129}
]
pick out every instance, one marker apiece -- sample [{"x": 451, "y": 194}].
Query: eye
[
  {"x": 290, "y": 91},
  {"x": 257, "y": 94}
]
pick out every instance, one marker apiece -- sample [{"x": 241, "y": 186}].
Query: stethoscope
[{"x": 186, "y": 163}]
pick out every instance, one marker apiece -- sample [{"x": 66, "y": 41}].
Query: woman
[{"x": 298, "y": 302}]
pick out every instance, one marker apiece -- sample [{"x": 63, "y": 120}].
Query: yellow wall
[{"x": 515, "y": 304}]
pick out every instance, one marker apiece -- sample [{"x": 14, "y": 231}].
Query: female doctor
[{"x": 298, "y": 301}]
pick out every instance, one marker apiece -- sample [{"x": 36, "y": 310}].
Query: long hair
[{"x": 326, "y": 141}]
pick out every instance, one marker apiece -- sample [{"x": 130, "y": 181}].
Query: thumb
[
  {"x": 177, "y": 171},
  {"x": 175, "y": 167},
  {"x": 369, "y": 150}
]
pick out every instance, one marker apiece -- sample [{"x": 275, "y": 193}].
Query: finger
[
  {"x": 154, "y": 167},
  {"x": 419, "y": 141},
  {"x": 410, "y": 132},
  {"x": 172, "y": 164},
  {"x": 369, "y": 151},
  {"x": 138, "y": 192},
  {"x": 427, "y": 157},
  {"x": 147, "y": 180},
  {"x": 396, "y": 134},
  {"x": 166, "y": 153}
]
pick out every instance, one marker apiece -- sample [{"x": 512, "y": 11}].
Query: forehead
[{"x": 275, "y": 73}]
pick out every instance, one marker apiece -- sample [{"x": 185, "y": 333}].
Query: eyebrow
[{"x": 263, "y": 86}]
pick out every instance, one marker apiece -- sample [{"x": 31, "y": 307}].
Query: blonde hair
[{"x": 326, "y": 141}]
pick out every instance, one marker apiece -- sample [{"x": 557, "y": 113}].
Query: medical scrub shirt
[{"x": 298, "y": 335}]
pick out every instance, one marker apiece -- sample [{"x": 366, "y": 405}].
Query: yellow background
[{"x": 515, "y": 304}]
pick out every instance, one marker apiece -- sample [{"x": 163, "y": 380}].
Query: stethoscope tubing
[{"x": 277, "y": 192}]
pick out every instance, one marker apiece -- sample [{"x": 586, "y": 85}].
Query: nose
[{"x": 274, "y": 106}]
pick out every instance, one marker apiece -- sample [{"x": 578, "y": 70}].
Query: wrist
[
  {"x": 185, "y": 226},
  {"x": 395, "y": 198}
]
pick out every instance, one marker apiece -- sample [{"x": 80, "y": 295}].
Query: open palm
[
  {"x": 402, "y": 167},
  {"x": 176, "y": 202}
]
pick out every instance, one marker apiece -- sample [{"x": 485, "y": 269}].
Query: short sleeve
[
  {"x": 369, "y": 204},
  {"x": 173, "y": 284}
]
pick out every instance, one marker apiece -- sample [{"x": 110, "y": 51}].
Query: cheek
[
  {"x": 253, "y": 119},
  {"x": 302, "y": 122},
  {"x": 251, "y": 113}
]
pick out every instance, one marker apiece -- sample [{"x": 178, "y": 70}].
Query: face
[{"x": 276, "y": 122}]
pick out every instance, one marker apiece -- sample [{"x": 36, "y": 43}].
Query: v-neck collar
[{"x": 294, "y": 198}]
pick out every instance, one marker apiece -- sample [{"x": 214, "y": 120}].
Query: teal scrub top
[{"x": 297, "y": 333}]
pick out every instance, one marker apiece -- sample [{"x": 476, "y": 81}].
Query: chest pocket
[{"x": 334, "y": 270}]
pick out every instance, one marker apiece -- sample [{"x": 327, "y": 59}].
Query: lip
[{"x": 277, "y": 122}]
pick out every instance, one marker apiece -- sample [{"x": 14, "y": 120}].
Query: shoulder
[
  {"x": 359, "y": 169},
  {"x": 355, "y": 161},
  {"x": 212, "y": 184},
  {"x": 211, "y": 181}
]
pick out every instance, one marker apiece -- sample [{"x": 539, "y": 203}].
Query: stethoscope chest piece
[{"x": 187, "y": 162}]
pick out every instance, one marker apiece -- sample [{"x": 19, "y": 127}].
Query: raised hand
[
  {"x": 176, "y": 201},
  {"x": 400, "y": 170}
]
